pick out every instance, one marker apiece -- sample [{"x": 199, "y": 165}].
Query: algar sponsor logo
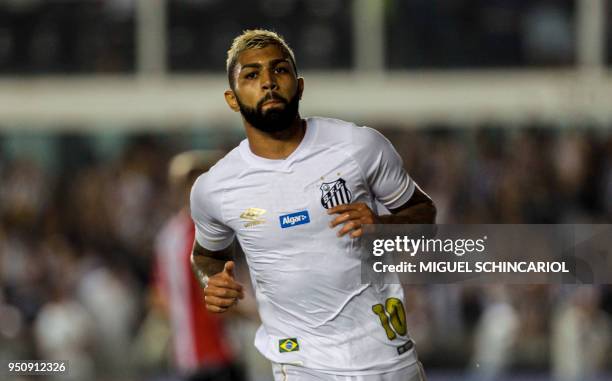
[{"x": 294, "y": 219}]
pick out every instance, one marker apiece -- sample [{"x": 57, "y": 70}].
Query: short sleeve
[
  {"x": 210, "y": 231},
  {"x": 383, "y": 168}
]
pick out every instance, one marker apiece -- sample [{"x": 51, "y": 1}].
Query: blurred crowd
[
  {"x": 98, "y": 36},
  {"x": 500, "y": 33},
  {"x": 77, "y": 233}
]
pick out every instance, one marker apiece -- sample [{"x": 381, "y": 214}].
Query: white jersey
[{"x": 314, "y": 310}]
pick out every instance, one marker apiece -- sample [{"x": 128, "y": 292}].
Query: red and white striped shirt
[{"x": 199, "y": 340}]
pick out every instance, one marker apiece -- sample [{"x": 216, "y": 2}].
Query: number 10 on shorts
[{"x": 392, "y": 317}]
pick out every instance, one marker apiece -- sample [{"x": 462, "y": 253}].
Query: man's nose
[{"x": 268, "y": 81}]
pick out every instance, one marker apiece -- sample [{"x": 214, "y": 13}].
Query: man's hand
[
  {"x": 353, "y": 216},
  {"x": 222, "y": 290}
]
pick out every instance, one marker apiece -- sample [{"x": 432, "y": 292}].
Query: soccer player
[{"x": 296, "y": 194}]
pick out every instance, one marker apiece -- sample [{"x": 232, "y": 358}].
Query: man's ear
[
  {"x": 231, "y": 100},
  {"x": 300, "y": 87}
]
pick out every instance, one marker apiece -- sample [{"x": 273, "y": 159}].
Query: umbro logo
[{"x": 253, "y": 216}]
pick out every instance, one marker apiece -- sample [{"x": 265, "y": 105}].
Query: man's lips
[{"x": 272, "y": 102}]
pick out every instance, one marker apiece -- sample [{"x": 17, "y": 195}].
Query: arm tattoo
[{"x": 206, "y": 263}]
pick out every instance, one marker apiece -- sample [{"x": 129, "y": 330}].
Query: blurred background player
[{"x": 201, "y": 346}]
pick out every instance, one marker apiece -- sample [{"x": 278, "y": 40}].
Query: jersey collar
[{"x": 280, "y": 164}]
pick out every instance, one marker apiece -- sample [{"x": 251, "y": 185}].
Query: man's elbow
[
  {"x": 192, "y": 260},
  {"x": 194, "y": 265}
]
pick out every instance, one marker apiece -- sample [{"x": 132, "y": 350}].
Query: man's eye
[
  {"x": 251, "y": 75},
  {"x": 281, "y": 70}
]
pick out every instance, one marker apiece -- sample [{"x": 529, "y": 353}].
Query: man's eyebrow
[
  {"x": 276, "y": 61},
  {"x": 273, "y": 62},
  {"x": 250, "y": 65}
]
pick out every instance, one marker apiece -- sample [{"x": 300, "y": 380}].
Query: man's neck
[{"x": 276, "y": 145}]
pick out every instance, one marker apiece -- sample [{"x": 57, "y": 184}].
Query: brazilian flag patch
[{"x": 288, "y": 345}]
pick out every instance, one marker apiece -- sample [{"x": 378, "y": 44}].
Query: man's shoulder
[
  {"x": 338, "y": 133},
  {"x": 331, "y": 126},
  {"x": 231, "y": 163},
  {"x": 219, "y": 174}
]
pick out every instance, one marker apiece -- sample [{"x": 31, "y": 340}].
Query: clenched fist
[{"x": 222, "y": 290}]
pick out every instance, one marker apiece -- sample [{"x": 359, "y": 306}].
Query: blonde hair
[{"x": 254, "y": 39}]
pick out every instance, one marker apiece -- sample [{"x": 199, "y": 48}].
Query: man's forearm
[
  {"x": 205, "y": 263},
  {"x": 421, "y": 213},
  {"x": 419, "y": 209}
]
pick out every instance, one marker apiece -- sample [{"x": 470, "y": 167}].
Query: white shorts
[{"x": 286, "y": 372}]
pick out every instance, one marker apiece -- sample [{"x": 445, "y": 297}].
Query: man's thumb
[{"x": 229, "y": 268}]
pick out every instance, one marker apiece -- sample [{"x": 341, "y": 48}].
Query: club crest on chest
[{"x": 335, "y": 193}]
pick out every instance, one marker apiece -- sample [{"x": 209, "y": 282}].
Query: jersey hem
[{"x": 412, "y": 361}]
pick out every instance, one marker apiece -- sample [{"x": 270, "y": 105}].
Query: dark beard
[{"x": 274, "y": 119}]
